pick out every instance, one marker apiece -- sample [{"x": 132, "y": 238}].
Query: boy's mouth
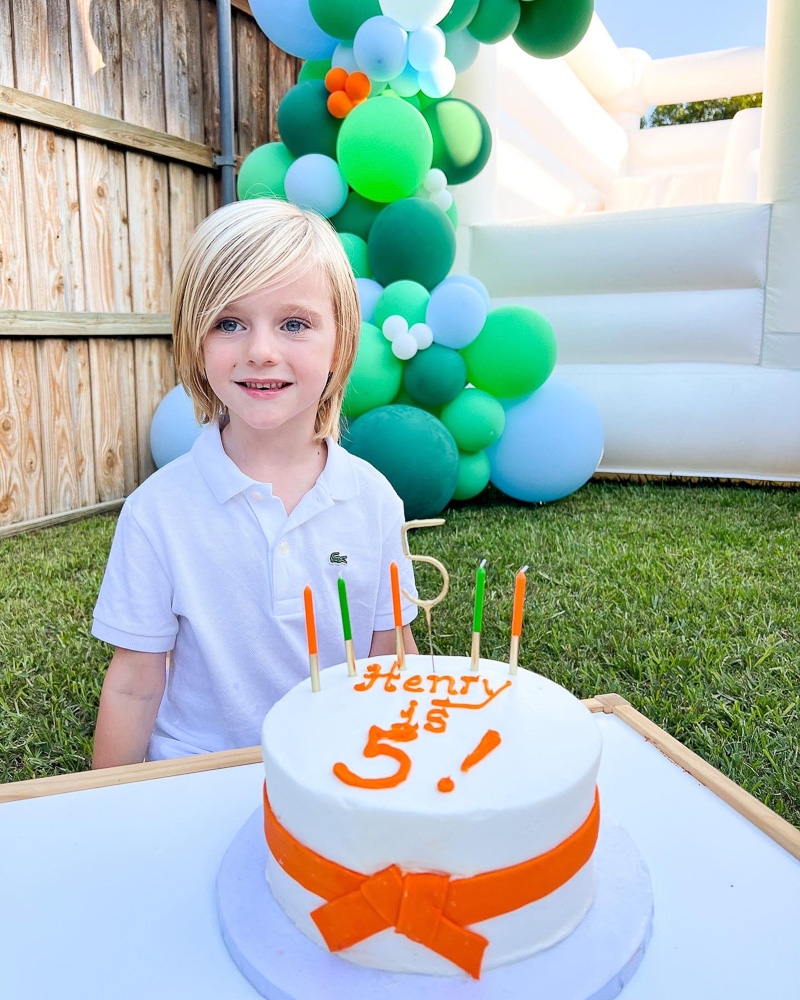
[{"x": 265, "y": 388}]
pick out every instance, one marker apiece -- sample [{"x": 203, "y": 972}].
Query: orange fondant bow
[{"x": 428, "y": 908}]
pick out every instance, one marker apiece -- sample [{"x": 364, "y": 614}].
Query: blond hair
[{"x": 243, "y": 248}]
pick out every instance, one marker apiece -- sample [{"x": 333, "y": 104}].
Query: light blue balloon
[
  {"x": 289, "y": 25},
  {"x": 407, "y": 84},
  {"x": 551, "y": 445},
  {"x": 369, "y": 291},
  {"x": 467, "y": 279},
  {"x": 173, "y": 429},
  {"x": 344, "y": 58},
  {"x": 381, "y": 48},
  {"x": 456, "y": 314},
  {"x": 461, "y": 48},
  {"x": 315, "y": 181},
  {"x": 426, "y": 47}
]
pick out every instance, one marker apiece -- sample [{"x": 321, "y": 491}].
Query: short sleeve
[
  {"x": 134, "y": 606},
  {"x": 392, "y": 551}
]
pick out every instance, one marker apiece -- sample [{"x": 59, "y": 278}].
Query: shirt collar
[{"x": 225, "y": 479}]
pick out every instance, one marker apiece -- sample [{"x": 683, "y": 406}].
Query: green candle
[
  {"x": 345, "y": 610},
  {"x": 480, "y": 583}
]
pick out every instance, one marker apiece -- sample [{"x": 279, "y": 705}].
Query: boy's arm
[
  {"x": 129, "y": 702},
  {"x": 384, "y": 643}
]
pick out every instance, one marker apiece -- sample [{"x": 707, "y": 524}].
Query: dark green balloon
[
  {"x": 435, "y": 376},
  {"x": 495, "y": 20},
  {"x": 304, "y": 122},
  {"x": 462, "y": 139},
  {"x": 412, "y": 239},
  {"x": 343, "y": 18},
  {"x": 459, "y": 15},
  {"x": 514, "y": 353},
  {"x": 551, "y": 28},
  {"x": 357, "y": 215},
  {"x": 263, "y": 172},
  {"x": 415, "y": 452},
  {"x": 474, "y": 472},
  {"x": 376, "y": 376},
  {"x": 314, "y": 69}
]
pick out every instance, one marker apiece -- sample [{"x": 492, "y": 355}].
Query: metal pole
[{"x": 224, "y": 159}]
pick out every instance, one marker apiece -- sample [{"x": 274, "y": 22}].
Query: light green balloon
[
  {"x": 474, "y": 471},
  {"x": 263, "y": 172},
  {"x": 385, "y": 149},
  {"x": 356, "y": 250},
  {"x": 514, "y": 353},
  {"x": 475, "y": 419},
  {"x": 408, "y": 299},
  {"x": 376, "y": 375}
]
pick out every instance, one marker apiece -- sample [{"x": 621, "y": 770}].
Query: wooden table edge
[{"x": 760, "y": 815}]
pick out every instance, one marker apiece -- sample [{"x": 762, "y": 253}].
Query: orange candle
[
  {"x": 398, "y": 615},
  {"x": 516, "y": 619},
  {"x": 311, "y": 635}
]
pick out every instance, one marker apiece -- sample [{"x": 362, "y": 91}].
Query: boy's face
[{"x": 282, "y": 337}]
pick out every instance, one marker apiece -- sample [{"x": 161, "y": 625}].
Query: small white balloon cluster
[
  {"x": 434, "y": 188},
  {"x": 405, "y": 340}
]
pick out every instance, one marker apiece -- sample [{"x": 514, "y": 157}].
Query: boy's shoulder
[
  {"x": 166, "y": 489},
  {"x": 371, "y": 482}
]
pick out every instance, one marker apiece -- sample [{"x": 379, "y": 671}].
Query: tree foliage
[{"x": 699, "y": 111}]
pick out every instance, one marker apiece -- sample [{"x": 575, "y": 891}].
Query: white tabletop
[{"x": 110, "y": 892}]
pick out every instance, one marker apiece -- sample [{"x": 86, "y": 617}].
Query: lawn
[{"x": 682, "y": 599}]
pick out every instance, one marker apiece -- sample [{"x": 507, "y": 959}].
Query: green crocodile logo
[{"x": 337, "y": 557}]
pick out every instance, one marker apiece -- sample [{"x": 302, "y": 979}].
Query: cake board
[{"x": 593, "y": 963}]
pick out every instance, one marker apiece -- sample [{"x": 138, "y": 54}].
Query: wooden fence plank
[
  {"x": 6, "y": 45},
  {"x": 52, "y": 225},
  {"x": 96, "y": 57},
  {"x": 148, "y": 220},
  {"x": 142, "y": 63},
  {"x": 210, "y": 60},
  {"x": 63, "y": 383},
  {"x": 14, "y": 277},
  {"x": 250, "y": 84},
  {"x": 46, "y": 323},
  {"x": 104, "y": 223},
  {"x": 183, "y": 85},
  {"x": 187, "y": 208},
  {"x": 41, "y": 49},
  {"x": 113, "y": 417},
  {"x": 283, "y": 72},
  {"x": 21, "y": 483},
  {"x": 155, "y": 376}
]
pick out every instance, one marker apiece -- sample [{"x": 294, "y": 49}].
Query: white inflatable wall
[{"x": 664, "y": 258}]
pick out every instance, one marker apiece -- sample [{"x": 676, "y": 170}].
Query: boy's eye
[
  {"x": 228, "y": 325},
  {"x": 295, "y": 325}
]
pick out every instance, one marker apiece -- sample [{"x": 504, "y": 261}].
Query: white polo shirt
[{"x": 206, "y": 562}]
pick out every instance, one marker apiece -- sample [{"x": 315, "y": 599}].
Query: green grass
[{"x": 682, "y": 599}]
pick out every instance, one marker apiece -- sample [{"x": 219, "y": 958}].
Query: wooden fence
[{"x": 109, "y": 122}]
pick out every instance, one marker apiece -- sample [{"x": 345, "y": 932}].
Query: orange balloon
[
  {"x": 357, "y": 87},
  {"x": 335, "y": 79},
  {"x": 339, "y": 104}
]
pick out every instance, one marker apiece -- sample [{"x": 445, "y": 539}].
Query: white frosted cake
[{"x": 483, "y": 781}]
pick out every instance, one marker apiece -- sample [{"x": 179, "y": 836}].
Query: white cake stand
[{"x": 593, "y": 963}]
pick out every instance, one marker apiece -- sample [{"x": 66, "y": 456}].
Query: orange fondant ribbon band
[{"x": 428, "y": 908}]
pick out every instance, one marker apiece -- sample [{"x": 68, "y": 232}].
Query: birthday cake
[{"x": 434, "y": 820}]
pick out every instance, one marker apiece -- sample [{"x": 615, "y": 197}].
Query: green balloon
[
  {"x": 435, "y": 376},
  {"x": 304, "y": 122},
  {"x": 412, "y": 239},
  {"x": 402, "y": 298},
  {"x": 475, "y": 419},
  {"x": 376, "y": 375},
  {"x": 474, "y": 472},
  {"x": 513, "y": 354},
  {"x": 357, "y": 215},
  {"x": 495, "y": 20},
  {"x": 459, "y": 15},
  {"x": 342, "y": 20},
  {"x": 551, "y": 28},
  {"x": 403, "y": 399},
  {"x": 452, "y": 214},
  {"x": 356, "y": 250},
  {"x": 314, "y": 69},
  {"x": 462, "y": 139},
  {"x": 415, "y": 452},
  {"x": 263, "y": 172},
  {"x": 384, "y": 149}
]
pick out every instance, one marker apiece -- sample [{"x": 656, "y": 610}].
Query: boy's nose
[{"x": 263, "y": 348}]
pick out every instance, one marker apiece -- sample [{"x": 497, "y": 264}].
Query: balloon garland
[{"x": 447, "y": 393}]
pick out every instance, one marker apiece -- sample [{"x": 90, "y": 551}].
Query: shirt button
[
  {"x": 257, "y": 495},
  {"x": 284, "y": 548}
]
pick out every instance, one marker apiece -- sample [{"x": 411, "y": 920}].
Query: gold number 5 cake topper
[{"x": 428, "y": 605}]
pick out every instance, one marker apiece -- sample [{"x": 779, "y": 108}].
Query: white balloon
[
  {"x": 439, "y": 81},
  {"x": 423, "y": 335},
  {"x": 436, "y": 180},
  {"x": 415, "y": 14},
  {"x": 394, "y": 327},
  {"x": 404, "y": 347},
  {"x": 443, "y": 199},
  {"x": 343, "y": 56}
]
